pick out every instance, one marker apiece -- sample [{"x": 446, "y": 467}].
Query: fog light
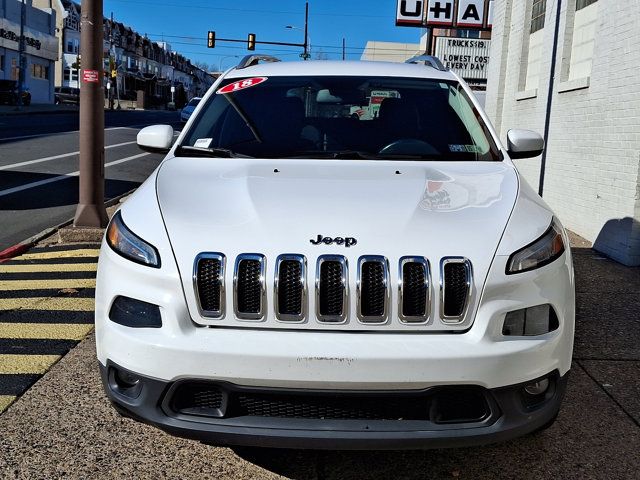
[
  {"x": 125, "y": 379},
  {"x": 135, "y": 313},
  {"x": 537, "y": 388},
  {"x": 530, "y": 322}
]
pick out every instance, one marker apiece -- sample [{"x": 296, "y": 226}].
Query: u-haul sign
[{"x": 467, "y": 14}]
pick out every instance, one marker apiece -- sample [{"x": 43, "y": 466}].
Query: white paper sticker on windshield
[{"x": 203, "y": 142}]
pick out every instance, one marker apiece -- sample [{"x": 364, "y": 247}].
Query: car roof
[{"x": 341, "y": 68}]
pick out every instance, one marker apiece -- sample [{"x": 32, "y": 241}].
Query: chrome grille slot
[
  {"x": 455, "y": 288},
  {"x": 332, "y": 289},
  {"x": 208, "y": 282},
  {"x": 290, "y": 290},
  {"x": 414, "y": 290},
  {"x": 373, "y": 289},
  {"x": 249, "y": 292}
]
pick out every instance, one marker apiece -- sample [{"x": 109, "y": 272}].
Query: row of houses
[{"x": 132, "y": 61}]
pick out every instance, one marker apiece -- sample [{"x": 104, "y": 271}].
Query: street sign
[
  {"x": 90, "y": 76},
  {"x": 464, "y": 14}
]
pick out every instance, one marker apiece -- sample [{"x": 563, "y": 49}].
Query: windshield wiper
[
  {"x": 208, "y": 152},
  {"x": 342, "y": 155}
]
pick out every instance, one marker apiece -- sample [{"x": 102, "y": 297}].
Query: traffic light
[
  {"x": 211, "y": 39},
  {"x": 251, "y": 41}
]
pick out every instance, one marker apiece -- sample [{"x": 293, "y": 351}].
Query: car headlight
[
  {"x": 127, "y": 244},
  {"x": 543, "y": 251}
]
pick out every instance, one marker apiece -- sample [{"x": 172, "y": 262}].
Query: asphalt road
[{"x": 39, "y": 165}]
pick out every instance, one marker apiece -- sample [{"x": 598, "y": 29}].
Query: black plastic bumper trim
[{"x": 515, "y": 419}]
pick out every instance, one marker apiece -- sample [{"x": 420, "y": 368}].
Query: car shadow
[{"x": 62, "y": 192}]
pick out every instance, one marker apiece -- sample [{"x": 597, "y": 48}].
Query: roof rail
[
  {"x": 428, "y": 60},
  {"x": 251, "y": 60}
]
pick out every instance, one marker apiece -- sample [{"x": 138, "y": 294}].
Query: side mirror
[
  {"x": 156, "y": 139},
  {"x": 524, "y": 144}
]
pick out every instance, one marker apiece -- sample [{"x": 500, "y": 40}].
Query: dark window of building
[
  {"x": 1, "y": 63},
  {"x": 580, "y": 4},
  {"x": 15, "y": 70},
  {"x": 39, "y": 71},
  {"x": 537, "y": 15}
]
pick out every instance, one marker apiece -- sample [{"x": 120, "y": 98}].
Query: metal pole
[
  {"x": 547, "y": 120},
  {"x": 109, "y": 92},
  {"x": 22, "y": 48},
  {"x": 91, "y": 211},
  {"x": 306, "y": 32},
  {"x": 344, "y": 49}
]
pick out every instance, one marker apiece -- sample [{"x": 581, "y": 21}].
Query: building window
[
  {"x": 580, "y": 4},
  {"x": 1, "y": 63},
  {"x": 583, "y": 39},
  {"x": 537, "y": 15},
  {"x": 39, "y": 71},
  {"x": 67, "y": 74},
  {"x": 15, "y": 70}
]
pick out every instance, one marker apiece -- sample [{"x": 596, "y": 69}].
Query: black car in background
[
  {"x": 9, "y": 93},
  {"x": 67, "y": 95}
]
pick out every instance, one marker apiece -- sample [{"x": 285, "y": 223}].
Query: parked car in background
[
  {"x": 186, "y": 112},
  {"x": 9, "y": 93},
  {"x": 67, "y": 95}
]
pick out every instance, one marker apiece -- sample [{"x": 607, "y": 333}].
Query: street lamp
[{"x": 223, "y": 58}]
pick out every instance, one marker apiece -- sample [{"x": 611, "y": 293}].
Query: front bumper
[{"x": 510, "y": 413}]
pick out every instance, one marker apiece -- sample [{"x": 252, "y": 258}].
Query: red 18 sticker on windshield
[{"x": 242, "y": 84}]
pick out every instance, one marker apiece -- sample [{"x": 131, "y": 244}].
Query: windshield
[{"x": 341, "y": 117}]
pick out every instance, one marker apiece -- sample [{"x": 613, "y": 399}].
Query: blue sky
[{"x": 184, "y": 24}]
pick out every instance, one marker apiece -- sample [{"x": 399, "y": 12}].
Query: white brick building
[{"x": 592, "y": 174}]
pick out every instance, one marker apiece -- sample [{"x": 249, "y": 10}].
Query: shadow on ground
[{"x": 55, "y": 194}]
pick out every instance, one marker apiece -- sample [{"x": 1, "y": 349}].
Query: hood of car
[{"x": 393, "y": 209}]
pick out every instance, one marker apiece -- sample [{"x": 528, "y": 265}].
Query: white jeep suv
[{"x": 293, "y": 276}]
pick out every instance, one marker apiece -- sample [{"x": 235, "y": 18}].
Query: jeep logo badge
[{"x": 347, "y": 242}]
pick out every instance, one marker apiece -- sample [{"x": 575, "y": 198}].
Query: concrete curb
[{"x": 22, "y": 247}]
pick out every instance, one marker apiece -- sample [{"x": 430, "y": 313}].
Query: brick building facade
[{"x": 592, "y": 173}]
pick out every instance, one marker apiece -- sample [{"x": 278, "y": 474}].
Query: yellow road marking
[
  {"x": 26, "y": 364},
  {"x": 64, "y": 304},
  {"x": 81, "y": 253},
  {"x": 10, "y": 285},
  {"x": 49, "y": 267},
  {"x": 5, "y": 401},
  {"x": 46, "y": 331}
]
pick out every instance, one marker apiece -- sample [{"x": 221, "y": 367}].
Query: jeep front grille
[
  {"x": 290, "y": 294},
  {"x": 290, "y": 300},
  {"x": 208, "y": 279},
  {"x": 455, "y": 288},
  {"x": 332, "y": 288},
  {"x": 414, "y": 290},
  {"x": 249, "y": 287},
  {"x": 373, "y": 289}
]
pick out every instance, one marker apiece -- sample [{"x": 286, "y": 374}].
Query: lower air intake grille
[
  {"x": 209, "y": 279},
  {"x": 456, "y": 275},
  {"x": 290, "y": 287},
  {"x": 249, "y": 287},
  {"x": 331, "y": 289},
  {"x": 441, "y": 405},
  {"x": 373, "y": 286},
  {"x": 415, "y": 290}
]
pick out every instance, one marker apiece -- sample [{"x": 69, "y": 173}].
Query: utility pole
[
  {"x": 22, "y": 47},
  {"x": 91, "y": 211},
  {"x": 344, "y": 49},
  {"x": 111, "y": 64},
  {"x": 306, "y": 55}
]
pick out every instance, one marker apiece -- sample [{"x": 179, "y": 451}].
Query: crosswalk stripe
[
  {"x": 26, "y": 364},
  {"x": 45, "y": 331},
  {"x": 5, "y": 401},
  {"x": 64, "y": 304},
  {"x": 12, "y": 285},
  {"x": 49, "y": 267},
  {"x": 80, "y": 253}
]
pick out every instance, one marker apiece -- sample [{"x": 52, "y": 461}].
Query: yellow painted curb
[
  {"x": 40, "y": 303},
  {"x": 26, "y": 364},
  {"x": 45, "y": 331},
  {"x": 13, "y": 285}
]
